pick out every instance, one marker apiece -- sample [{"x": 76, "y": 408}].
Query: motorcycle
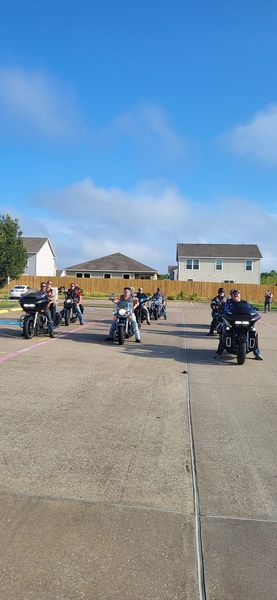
[
  {"x": 35, "y": 322},
  {"x": 69, "y": 313},
  {"x": 216, "y": 313},
  {"x": 122, "y": 315},
  {"x": 140, "y": 313},
  {"x": 238, "y": 333},
  {"x": 155, "y": 309}
]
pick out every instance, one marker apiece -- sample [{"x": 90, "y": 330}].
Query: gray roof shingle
[
  {"x": 34, "y": 244},
  {"x": 113, "y": 262},
  {"x": 218, "y": 251}
]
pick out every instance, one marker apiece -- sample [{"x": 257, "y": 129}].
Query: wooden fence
[{"x": 201, "y": 290}]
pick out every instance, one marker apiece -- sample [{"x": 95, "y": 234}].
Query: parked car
[{"x": 18, "y": 291}]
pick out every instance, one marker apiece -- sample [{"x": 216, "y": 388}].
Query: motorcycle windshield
[
  {"x": 244, "y": 310},
  {"x": 243, "y": 317},
  {"x": 123, "y": 304}
]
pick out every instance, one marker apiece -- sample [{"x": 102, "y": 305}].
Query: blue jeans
[
  {"x": 215, "y": 320},
  {"x": 163, "y": 311},
  {"x": 50, "y": 323},
  {"x": 79, "y": 313},
  {"x": 135, "y": 328}
]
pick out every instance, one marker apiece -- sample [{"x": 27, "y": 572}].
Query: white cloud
[
  {"x": 149, "y": 126},
  {"x": 85, "y": 221},
  {"x": 32, "y": 101},
  {"x": 256, "y": 139}
]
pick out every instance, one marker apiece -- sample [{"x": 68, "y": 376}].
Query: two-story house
[
  {"x": 41, "y": 257},
  {"x": 228, "y": 263}
]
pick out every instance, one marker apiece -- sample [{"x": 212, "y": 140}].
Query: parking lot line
[{"x": 13, "y": 355}]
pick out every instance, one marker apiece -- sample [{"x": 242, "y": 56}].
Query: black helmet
[{"x": 221, "y": 291}]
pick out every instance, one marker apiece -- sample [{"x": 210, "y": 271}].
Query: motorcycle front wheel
[
  {"x": 121, "y": 335},
  {"x": 241, "y": 356},
  {"x": 28, "y": 328},
  {"x": 66, "y": 317}
]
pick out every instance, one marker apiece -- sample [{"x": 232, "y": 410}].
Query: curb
[{"x": 7, "y": 310}]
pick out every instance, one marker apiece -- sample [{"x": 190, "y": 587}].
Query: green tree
[{"x": 13, "y": 256}]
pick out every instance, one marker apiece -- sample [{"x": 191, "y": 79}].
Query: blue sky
[{"x": 131, "y": 126}]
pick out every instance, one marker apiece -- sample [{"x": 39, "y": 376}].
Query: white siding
[
  {"x": 46, "y": 264},
  {"x": 233, "y": 270},
  {"x": 31, "y": 265}
]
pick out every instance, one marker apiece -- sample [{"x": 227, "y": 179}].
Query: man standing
[{"x": 267, "y": 300}]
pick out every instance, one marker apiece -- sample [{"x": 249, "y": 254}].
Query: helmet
[{"x": 221, "y": 291}]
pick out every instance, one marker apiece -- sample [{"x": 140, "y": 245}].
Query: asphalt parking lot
[{"x": 97, "y": 500}]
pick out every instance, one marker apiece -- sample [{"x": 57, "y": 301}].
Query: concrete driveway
[{"x": 96, "y": 492}]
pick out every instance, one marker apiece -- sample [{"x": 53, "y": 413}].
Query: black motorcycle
[
  {"x": 140, "y": 312},
  {"x": 122, "y": 315},
  {"x": 216, "y": 315},
  {"x": 238, "y": 334},
  {"x": 69, "y": 312},
  {"x": 35, "y": 322},
  {"x": 155, "y": 309}
]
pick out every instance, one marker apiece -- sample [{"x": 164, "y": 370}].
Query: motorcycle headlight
[
  {"x": 68, "y": 301},
  {"x": 245, "y": 322},
  {"x": 122, "y": 311},
  {"x": 29, "y": 305},
  {"x": 238, "y": 322}
]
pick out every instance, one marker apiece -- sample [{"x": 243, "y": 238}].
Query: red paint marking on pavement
[{"x": 17, "y": 353}]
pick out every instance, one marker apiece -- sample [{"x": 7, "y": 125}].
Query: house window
[
  {"x": 107, "y": 276},
  {"x": 126, "y": 276},
  {"x": 218, "y": 264},
  {"x": 249, "y": 265},
  {"x": 191, "y": 279},
  {"x": 87, "y": 275},
  {"x": 79, "y": 274},
  {"x": 189, "y": 263},
  {"x": 193, "y": 263}
]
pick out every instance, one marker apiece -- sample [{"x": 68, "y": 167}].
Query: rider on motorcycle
[
  {"x": 47, "y": 310},
  {"x": 233, "y": 306},
  {"x": 126, "y": 297},
  {"x": 157, "y": 296},
  {"x": 217, "y": 305},
  {"x": 52, "y": 297},
  {"x": 140, "y": 295},
  {"x": 73, "y": 293}
]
